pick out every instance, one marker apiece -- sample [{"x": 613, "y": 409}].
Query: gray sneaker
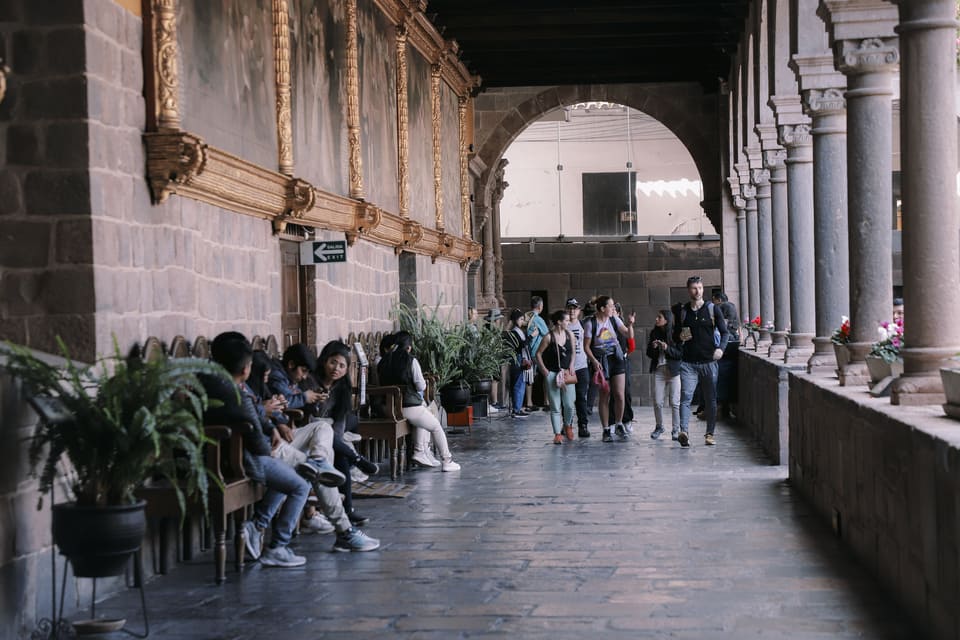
[
  {"x": 281, "y": 557},
  {"x": 656, "y": 433},
  {"x": 254, "y": 539},
  {"x": 621, "y": 432},
  {"x": 321, "y": 471},
  {"x": 355, "y": 540}
]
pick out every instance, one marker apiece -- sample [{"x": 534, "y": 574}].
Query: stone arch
[{"x": 683, "y": 109}]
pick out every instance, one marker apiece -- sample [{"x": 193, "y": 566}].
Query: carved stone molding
[
  {"x": 464, "y": 167},
  {"x": 353, "y": 104},
  {"x": 774, "y": 159},
  {"x": 412, "y": 234},
  {"x": 367, "y": 219},
  {"x": 166, "y": 75},
  {"x": 821, "y": 102},
  {"x": 748, "y": 191},
  {"x": 760, "y": 177},
  {"x": 868, "y": 56},
  {"x": 403, "y": 123},
  {"x": 795, "y": 135},
  {"x": 281, "y": 57},
  {"x": 739, "y": 204},
  {"x": 173, "y": 160},
  {"x": 436, "y": 118}
]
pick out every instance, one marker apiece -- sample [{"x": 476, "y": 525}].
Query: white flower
[{"x": 883, "y": 333}]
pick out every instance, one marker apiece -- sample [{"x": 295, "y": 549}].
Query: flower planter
[
  {"x": 880, "y": 369},
  {"x": 951, "y": 389},
  {"x": 98, "y": 540},
  {"x": 843, "y": 355}
]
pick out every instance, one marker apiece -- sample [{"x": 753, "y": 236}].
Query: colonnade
[{"x": 814, "y": 202}]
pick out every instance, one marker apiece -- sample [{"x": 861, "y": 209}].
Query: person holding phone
[
  {"x": 665, "y": 357},
  {"x": 702, "y": 331}
]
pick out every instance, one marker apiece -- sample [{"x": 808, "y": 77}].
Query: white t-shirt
[{"x": 579, "y": 355}]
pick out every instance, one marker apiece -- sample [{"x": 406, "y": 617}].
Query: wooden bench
[{"x": 224, "y": 459}]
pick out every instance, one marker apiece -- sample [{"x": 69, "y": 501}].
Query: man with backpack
[{"x": 702, "y": 330}]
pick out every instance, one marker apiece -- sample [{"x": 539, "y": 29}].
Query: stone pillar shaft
[
  {"x": 489, "y": 273},
  {"x": 742, "y": 251},
  {"x": 830, "y": 221},
  {"x": 869, "y": 66},
  {"x": 931, "y": 257},
  {"x": 753, "y": 256},
  {"x": 799, "y": 166},
  {"x": 781, "y": 250},
  {"x": 764, "y": 251}
]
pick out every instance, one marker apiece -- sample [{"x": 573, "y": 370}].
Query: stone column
[
  {"x": 799, "y": 166},
  {"x": 774, "y": 161},
  {"x": 749, "y": 193},
  {"x": 931, "y": 260},
  {"x": 761, "y": 178},
  {"x": 826, "y": 108},
  {"x": 742, "y": 251},
  {"x": 869, "y": 65},
  {"x": 488, "y": 296},
  {"x": 499, "y": 187}
]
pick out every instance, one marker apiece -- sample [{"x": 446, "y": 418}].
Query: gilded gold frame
[{"x": 182, "y": 163}]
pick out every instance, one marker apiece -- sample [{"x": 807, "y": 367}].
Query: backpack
[{"x": 713, "y": 320}]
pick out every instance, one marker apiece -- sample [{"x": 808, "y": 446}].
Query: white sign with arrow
[{"x": 323, "y": 251}]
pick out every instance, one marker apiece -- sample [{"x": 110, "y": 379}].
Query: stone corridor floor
[{"x": 636, "y": 539}]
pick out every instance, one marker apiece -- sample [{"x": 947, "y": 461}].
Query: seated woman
[
  {"x": 400, "y": 368},
  {"x": 335, "y": 401}
]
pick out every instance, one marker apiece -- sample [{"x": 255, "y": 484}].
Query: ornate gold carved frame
[{"x": 180, "y": 162}]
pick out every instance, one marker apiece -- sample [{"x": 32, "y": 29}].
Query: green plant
[
  {"x": 484, "y": 352},
  {"x": 131, "y": 419},
  {"x": 437, "y": 342}
]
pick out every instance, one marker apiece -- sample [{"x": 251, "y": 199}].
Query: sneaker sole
[
  {"x": 331, "y": 479},
  {"x": 282, "y": 565},
  {"x": 684, "y": 440},
  {"x": 337, "y": 549}
]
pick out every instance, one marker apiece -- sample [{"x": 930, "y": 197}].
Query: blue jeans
[
  {"x": 706, "y": 374},
  {"x": 518, "y": 388},
  {"x": 283, "y": 485},
  {"x": 561, "y": 402}
]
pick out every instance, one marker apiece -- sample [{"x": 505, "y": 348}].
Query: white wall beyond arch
[{"x": 544, "y": 201}]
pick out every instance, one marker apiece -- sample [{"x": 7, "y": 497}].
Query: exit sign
[{"x": 323, "y": 252}]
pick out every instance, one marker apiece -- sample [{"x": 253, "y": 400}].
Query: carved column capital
[
  {"x": 739, "y": 204},
  {"x": 749, "y": 192},
  {"x": 760, "y": 177},
  {"x": 795, "y": 135},
  {"x": 870, "y": 55},
  {"x": 824, "y": 102},
  {"x": 773, "y": 159}
]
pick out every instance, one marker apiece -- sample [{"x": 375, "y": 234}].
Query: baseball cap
[{"x": 572, "y": 302}]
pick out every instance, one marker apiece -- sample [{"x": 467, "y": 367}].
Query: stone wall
[
  {"x": 644, "y": 277},
  {"x": 888, "y": 478},
  {"x": 764, "y": 385}
]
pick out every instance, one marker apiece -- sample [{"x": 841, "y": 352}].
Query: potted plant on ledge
[
  {"x": 884, "y": 360},
  {"x": 116, "y": 422},
  {"x": 840, "y": 339}
]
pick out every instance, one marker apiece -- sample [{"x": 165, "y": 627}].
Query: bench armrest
[{"x": 393, "y": 400}]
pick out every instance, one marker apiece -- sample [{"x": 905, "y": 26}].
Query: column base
[
  {"x": 823, "y": 359},
  {"x": 800, "y": 348},
  {"x": 777, "y": 350},
  {"x": 919, "y": 389},
  {"x": 854, "y": 374}
]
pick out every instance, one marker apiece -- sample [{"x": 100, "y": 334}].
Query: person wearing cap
[{"x": 580, "y": 365}]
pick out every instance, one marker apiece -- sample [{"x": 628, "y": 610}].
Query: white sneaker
[
  {"x": 317, "y": 523},
  {"x": 358, "y": 476},
  {"x": 281, "y": 557},
  {"x": 425, "y": 459},
  {"x": 352, "y": 436},
  {"x": 449, "y": 465},
  {"x": 254, "y": 539},
  {"x": 432, "y": 457}
]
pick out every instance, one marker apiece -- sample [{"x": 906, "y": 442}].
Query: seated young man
[
  {"x": 289, "y": 380},
  {"x": 286, "y": 491}
]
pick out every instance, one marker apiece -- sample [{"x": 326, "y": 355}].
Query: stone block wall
[
  {"x": 888, "y": 478},
  {"x": 644, "y": 277},
  {"x": 764, "y": 387},
  {"x": 46, "y": 265}
]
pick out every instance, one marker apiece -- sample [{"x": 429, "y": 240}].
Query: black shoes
[
  {"x": 369, "y": 468},
  {"x": 684, "y": 439},
  {"x": 606, "y": 435},
  {"x": 357, "y": 520},
  {"x": 583, "y": 432}
]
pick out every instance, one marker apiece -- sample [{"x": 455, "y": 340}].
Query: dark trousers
[
  {"x": 343, "y": 456},
  {"x": 627, "y": 400},
  {"x": 583, "y": 384}
]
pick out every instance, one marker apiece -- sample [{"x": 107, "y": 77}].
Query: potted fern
[
  {"x": 483, "y": 354},
  {"x": 116, "y": 422}
]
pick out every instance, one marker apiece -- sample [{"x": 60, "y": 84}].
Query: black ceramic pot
[{"x": 98, "y": 541}]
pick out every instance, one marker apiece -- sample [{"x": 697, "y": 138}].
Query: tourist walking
[
  {"x": 665, "y": 358},
  {"x": 555, "y": 361},
  {"x": 605, "y": 354},
  {"x": 580, "y": 366},
  {"x": 702, "y": 331},
  {"x": 516, "y": 338}
]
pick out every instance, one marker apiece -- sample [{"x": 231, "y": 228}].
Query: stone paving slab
[{"x": 635, "y": 539}]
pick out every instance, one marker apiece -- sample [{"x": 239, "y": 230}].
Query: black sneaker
[
  {"x": 369, "y": 468},
  {"x": 684, "y": 439},
  {"x": 357, "y": 520},
  {"x": 621, "y": 431},
  {"x": 606, "y": 436},
  {"x": 583, "y": 432}
]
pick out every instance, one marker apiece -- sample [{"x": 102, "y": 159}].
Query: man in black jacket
[{"x": 701, "y": 329}]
